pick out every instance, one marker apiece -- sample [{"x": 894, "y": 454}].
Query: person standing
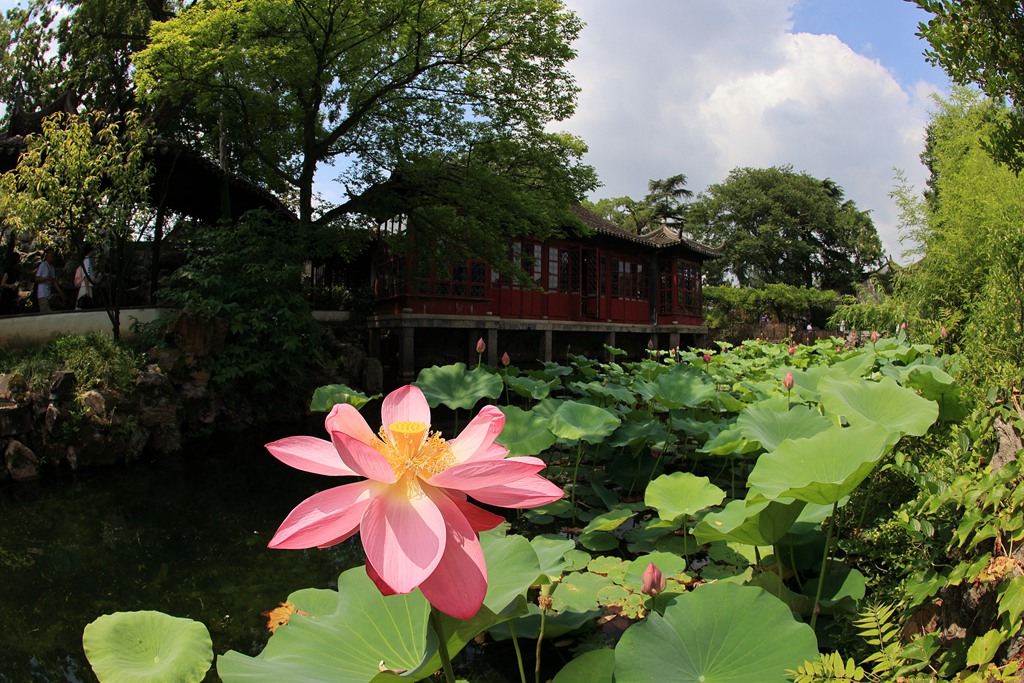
[
  {"x": 46, "y": 281},
  {"x": 9, "y": 284},
  {"x": 85, "y": 278}
]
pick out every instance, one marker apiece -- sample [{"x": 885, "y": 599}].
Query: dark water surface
[{"x": 187, "y": 536}]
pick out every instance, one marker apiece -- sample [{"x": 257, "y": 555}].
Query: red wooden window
[{"x": 629, "y": 280}]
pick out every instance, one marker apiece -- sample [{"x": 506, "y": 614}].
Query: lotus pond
[{"x": 704, "y": 493}]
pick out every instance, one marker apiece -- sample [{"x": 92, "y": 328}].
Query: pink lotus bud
[
  {"x": 943, "y": 333},
  {"x": 650, "y": 343},
  {"x": 792, "y": 349},
  {"x": 654, "y": 581},
  {"x": 903, "y": 326},
  {"x": 707, "y": 357},
  {"x": 505, "y": 360},
  {"x": 787, "y": 381},
  {"x": 480, "y": 345},
  {"x": 874, "y": 337}
]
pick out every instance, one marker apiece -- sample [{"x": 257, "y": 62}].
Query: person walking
[
  {"x": 85, "y": 278},
  {"x": 46, "y": 281}
]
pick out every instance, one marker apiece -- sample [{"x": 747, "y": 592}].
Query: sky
[{"x": 838, "y": 89}]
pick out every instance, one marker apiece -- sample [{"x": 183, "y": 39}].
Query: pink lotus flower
[
  {"x": 416, "y": 525},
  {"x": 480, "y": 345},
  {"x": 505, "y": 360},
  {"x": 654, "y": 581},
  {"x": 707, "y": 357},
  {"x": 792, "y": 349}
]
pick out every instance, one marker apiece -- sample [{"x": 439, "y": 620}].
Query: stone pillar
[
  {"x": 406, "y": 354},
  {"x": 492, "y": 347},
  {"x": 673, "y": 340},
  {"x": 545, "y": 345},
  {"x": 609, "y": 339}
]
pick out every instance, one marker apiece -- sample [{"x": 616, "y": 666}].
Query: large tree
[
  {"x": 415, "y": 103},
  {"x": 664, "y": 204},
  {"x": 979, "y": 42},
  {"x": 775, "y": 225}
]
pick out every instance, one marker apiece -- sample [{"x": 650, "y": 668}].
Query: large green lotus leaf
[
  {"x": 857, "y": 365},
  {"x": 822, "y": 469},
  {"x": 343, "y": 646},
  {"x": 147, "y": 647},
  {"x": 682, "y": 387},
  {"x": 842, "y": 590},
  {"x": 457, "y": 387},
  {"x": 595, "y": 666},
  {"x": 609, "y": 521},
  {"x": 613, "y": 391},
  {"x": 578, "y": 421},
  {"x": 761, "y": 524},
  {"x": 668, "y": 564},
  {"x": 681, "y": 494},
  {"x": 551, "y": 550},
  {"x": 683, "y": 421},
  {"x": 530, "y": 387},
  {"x": 525, "y": 432},
  {"x": 326, "y": 397},
  {"x": 578, "y": 591},
  {"x": 729, "y": 442},
  {"x": 885, "y": 403},
  {"x": 805, "y": 382},
  {"x": 932, "y": 381},
  {"x": 770, "y": 423},
  {"x": 638, "y": 427},
  {"x": 718, "y": 633},
  {"x": 512, "y": 567}
]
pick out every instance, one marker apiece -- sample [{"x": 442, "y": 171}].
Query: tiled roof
[{"x": 663, "y": 237}]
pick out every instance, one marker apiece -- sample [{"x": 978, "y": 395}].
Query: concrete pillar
[{"x": 609, "y": 339}]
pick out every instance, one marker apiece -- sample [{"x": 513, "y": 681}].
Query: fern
[
  {"x": 876, "y": 627},
  {"x": 828, "y": 668}
]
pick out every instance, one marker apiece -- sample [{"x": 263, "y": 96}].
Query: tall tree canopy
[
  {"x": 979, "y": 42},
  {"x": 416, "y": 103},
  {"x": 774, "y": 225},
  {"x": 664, "y": 203}
]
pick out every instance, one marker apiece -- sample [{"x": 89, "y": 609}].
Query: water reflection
[{"x": 187, "y": 537}]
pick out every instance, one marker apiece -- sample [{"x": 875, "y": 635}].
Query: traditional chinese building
[{"x": 610, "y": 287}]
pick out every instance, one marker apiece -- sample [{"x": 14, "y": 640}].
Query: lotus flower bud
[
  {"x": 792, "y": 349},
  {"x": 707, "y": 357},
  {"x": 903, "y": 326},
  {"x": 480, "y": 345},
  {"x": 505, "y": 360},
  {"x": 787, "y": 381},
  {"x": 874, "y": 337},
  {"x": 654, "y": 581},
  {"x": 650, "y": 343},
  {"x": 943, "y": 333}
]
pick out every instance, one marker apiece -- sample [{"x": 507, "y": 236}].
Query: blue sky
[{"x": 835, "y": 88}]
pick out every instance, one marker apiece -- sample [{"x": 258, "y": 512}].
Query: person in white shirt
[{"x": 46, "y": 281}]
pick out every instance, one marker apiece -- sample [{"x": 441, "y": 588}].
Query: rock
[
  {"x": 53, "y": 419},
  {"x": 15, "y": 419},
  {"x": 62, "y": 385},
  {"x": 169, "y": 361},
  {"x": 94, "y": 405},
  {"x": 21, "y": 463},
  {"x": 158, "y": 403},
  {"x": 13, "y": 387}
]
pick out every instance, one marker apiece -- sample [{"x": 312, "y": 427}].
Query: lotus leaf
[
  {"x": 611, "y": 390},
  {"x": 599, "y": 541},
  {"x": 577, "y": 421},
  {"x": 551, "y": 552},
  {"x": 144, "y": 647},
  {"x": 525, "y": 432},
  {"x": 457, "y": 387},
  {"x": 594, "y": 666},
  {"x": 717, "y": 633},
  {"x": 531, "y": 387},
  {"x": 758, "y": 524},
  {"x": 822, "y": 469},
  {"x": 555, "y": 624},
  {"x": 770, "y": 423},
  {"x": 326, "y": 397},
  {"x": 577, "y": 592},
  {"x": 682, "y": 387},
  {"x": 729, "y": 442},
  {"x": 885, "y": 403},
  {"x": 681, "y": 494},
  {"x": 842, "y": 589},
  {"x": 609, "y": 521}
]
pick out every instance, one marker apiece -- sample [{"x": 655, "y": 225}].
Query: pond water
[{"x": 187, "y": 536}]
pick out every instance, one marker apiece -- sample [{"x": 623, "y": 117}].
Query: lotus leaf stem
[
  {"x": 519, "y": 654},
  {"x": 824, "y": 561},
  {"x": 442, "y": 644}
]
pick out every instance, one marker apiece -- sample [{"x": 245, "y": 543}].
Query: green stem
[
  {"x": 792, "y": 563},
  {"x": 757, "y": 557},
  {"x": 575, "y": 471},
  {"x": 519, "y": 655},
  {"x": 540, "y": 638},
  {"x": 442, "y": 644},
  {"x": 824, "y": 561},
  {"x": 778, "y": 566}
]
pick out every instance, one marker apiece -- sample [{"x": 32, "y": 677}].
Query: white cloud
[{"x": 681, "y": 86}]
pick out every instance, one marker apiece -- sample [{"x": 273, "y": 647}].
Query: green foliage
[
  {"x": 96, "y": 360},
  {"x": 778, "y": 226},
  {"x": 785, "y": 303},
  {"x": 133, "y": 647},
  {"x": 663, "y": 205},
  {"x": 248, "y": 275}
]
